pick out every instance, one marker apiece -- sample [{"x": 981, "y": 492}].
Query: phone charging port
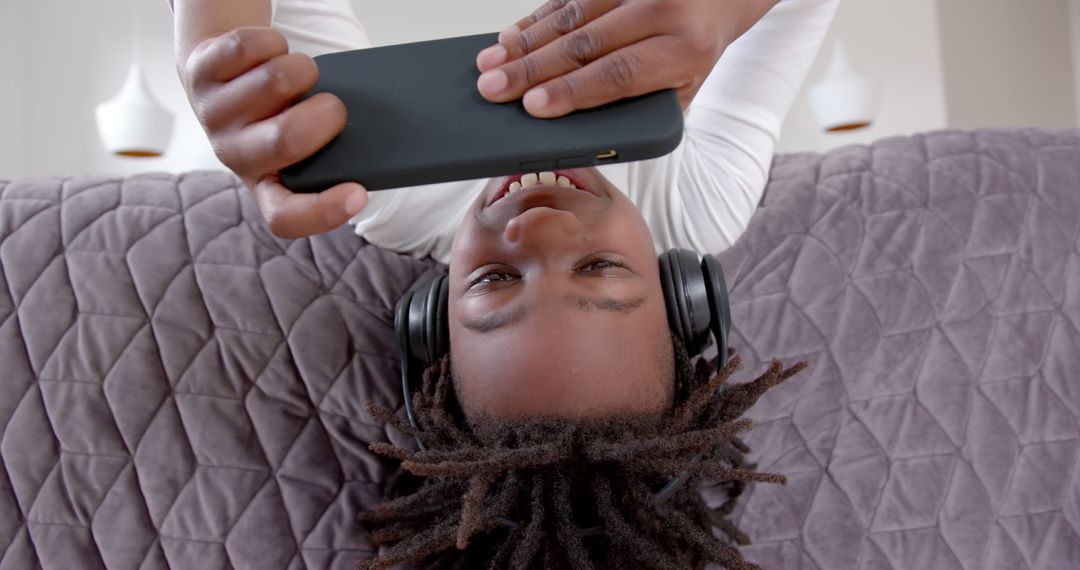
[{"x": 607, "y": 156}]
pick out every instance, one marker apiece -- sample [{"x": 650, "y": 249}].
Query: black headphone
[{"x": 695, "y": 295}]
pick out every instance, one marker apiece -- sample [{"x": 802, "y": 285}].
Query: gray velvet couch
[{"x": 178, "y": 388}]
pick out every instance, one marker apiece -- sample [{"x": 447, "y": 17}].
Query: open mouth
[{"x": 537, "y": 180}]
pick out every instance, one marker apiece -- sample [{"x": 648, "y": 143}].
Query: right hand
[
  {"x": 579, "y": 54},
  {"x": 241, "y": 85}
]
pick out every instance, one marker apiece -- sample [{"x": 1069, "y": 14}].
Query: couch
[{"x": 179, "y": 388}]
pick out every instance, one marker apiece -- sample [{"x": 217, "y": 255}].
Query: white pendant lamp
[
  {"x": 134, "y": 123},
  {"x": 843, "y": 100}
]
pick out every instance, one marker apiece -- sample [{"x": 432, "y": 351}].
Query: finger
[
  {"x": 291, "y": 216},
  {"x": 537, "y": 15},
  {"x": 571, "y": 16},
  {"x": 226, "y": 56},
  {"x": 515, "y": 43},
  {"x": 284, "y": 139},
  {"x": 641, "y": 68},
  {"x": 610, "y": 32},
  {"x": 259, "y": 93}
]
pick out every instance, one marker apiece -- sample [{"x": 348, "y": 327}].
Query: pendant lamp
[
  {"x": 843, "y": 100},
  {"x": 134, "y": 123}
]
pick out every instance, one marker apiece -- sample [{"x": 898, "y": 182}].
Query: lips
[{"x": 548, "y": 180}]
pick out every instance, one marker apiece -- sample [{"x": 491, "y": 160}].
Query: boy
[{"x": 556, "y": 313}]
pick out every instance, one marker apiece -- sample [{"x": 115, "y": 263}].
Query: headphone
[{"x": 695, "y": 295}]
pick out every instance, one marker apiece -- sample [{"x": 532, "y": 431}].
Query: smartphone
[{"x": 416, "y": 117}]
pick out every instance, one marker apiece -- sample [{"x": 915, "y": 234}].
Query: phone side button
[
  {"x": 574, "y": 162},
  {"x": 537, "y": 166}
]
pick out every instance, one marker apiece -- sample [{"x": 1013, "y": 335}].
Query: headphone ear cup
[
  {"x": 719, "y": 305},
  {"x": 696, "y": 299},
  {"x": 687, "y": 299},
  {"x": 440, "y": 320},
  {"x": 420, "y": 323},
  {"x": 430, "y": 320},
  {"x": 423, "y": 323},
  {"x": 403, "y": 330},
  {"x": 672, "y": 301},
  {"x": 401, "y": 327}
]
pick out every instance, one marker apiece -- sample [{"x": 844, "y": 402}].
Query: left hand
[{"x": 578, "y": 54}]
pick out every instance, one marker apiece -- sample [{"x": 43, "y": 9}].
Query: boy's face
[{"x": 555, "y": 303}]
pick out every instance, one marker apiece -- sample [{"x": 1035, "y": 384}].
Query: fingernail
[
  {"x": 492, "y": 56},
  {"x": 355, "y": 202},
  {"x": 505, "y": 34},
  {"x": 536, "y": 99},
  {"x": 493, "y": 82}
]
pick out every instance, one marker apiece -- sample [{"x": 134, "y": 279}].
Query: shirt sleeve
[
  {"x": 319, "y": 27},
  {"x": 702, "y": 195}
]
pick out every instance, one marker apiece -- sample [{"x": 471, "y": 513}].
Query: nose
[{"x": 544, "y": 227}]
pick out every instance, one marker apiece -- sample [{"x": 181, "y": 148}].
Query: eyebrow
[{"x": 499, "y": 319}]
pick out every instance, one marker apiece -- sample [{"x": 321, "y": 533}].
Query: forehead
[{"x": 564, "y": 362}]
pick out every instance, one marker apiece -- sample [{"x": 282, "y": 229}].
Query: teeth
[{"x": 546, "y": 178}]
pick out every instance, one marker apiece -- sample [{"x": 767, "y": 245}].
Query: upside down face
[{"x": 556, "y": 308}]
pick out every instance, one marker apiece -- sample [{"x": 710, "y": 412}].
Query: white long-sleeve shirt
[{"x": 700, "y": 196}]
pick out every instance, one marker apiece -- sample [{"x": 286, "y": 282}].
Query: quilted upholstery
[
  {"x": 933, "y": 283},
  {"x": 179, "y": 388}
]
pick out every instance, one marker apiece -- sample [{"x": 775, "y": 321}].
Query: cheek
[
  {"x": 471, "y": 243},
  {"x": 486, "y": 371},
  {"x": 625, "y": 220},
  {"x": 633, "y": 224},
  {"x": 627, "y": 232},
  {"x": 463, "y": 238},
  {"x": 470, "y": 229}
]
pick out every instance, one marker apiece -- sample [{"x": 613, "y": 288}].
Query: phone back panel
[{"x": 415, "y": 117}]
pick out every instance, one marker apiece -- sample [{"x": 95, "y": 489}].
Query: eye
[
  {"x": 494, "y": 276},
  {"x": 603, "y": 265},
  {"x": 491, "y": 277}
]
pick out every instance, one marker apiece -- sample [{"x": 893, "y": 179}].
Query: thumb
[{"x": 291, "y": 215}]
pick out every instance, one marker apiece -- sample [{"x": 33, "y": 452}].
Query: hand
[
  {"x": 241, "y": 85},
  {"x": 577, "y": 54}
]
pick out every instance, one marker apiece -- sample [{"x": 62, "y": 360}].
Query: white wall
[
  {"x": 1007, "y": 63},
  {"x": 76, "y": 55},
  {"x": 1074, "y": 37},
  {"x": 895, "y": 43},
  {"x": 393, "y": 22},
  {"x": 12, "y": 90}
]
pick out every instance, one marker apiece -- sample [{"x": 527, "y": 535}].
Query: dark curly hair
[{"x": 557, "y": 493}]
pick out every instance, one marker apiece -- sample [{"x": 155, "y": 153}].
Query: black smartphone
[{"x": 415, "y": 117}]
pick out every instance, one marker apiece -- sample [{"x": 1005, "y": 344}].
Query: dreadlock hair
[{"x": 498, "y": 494}]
